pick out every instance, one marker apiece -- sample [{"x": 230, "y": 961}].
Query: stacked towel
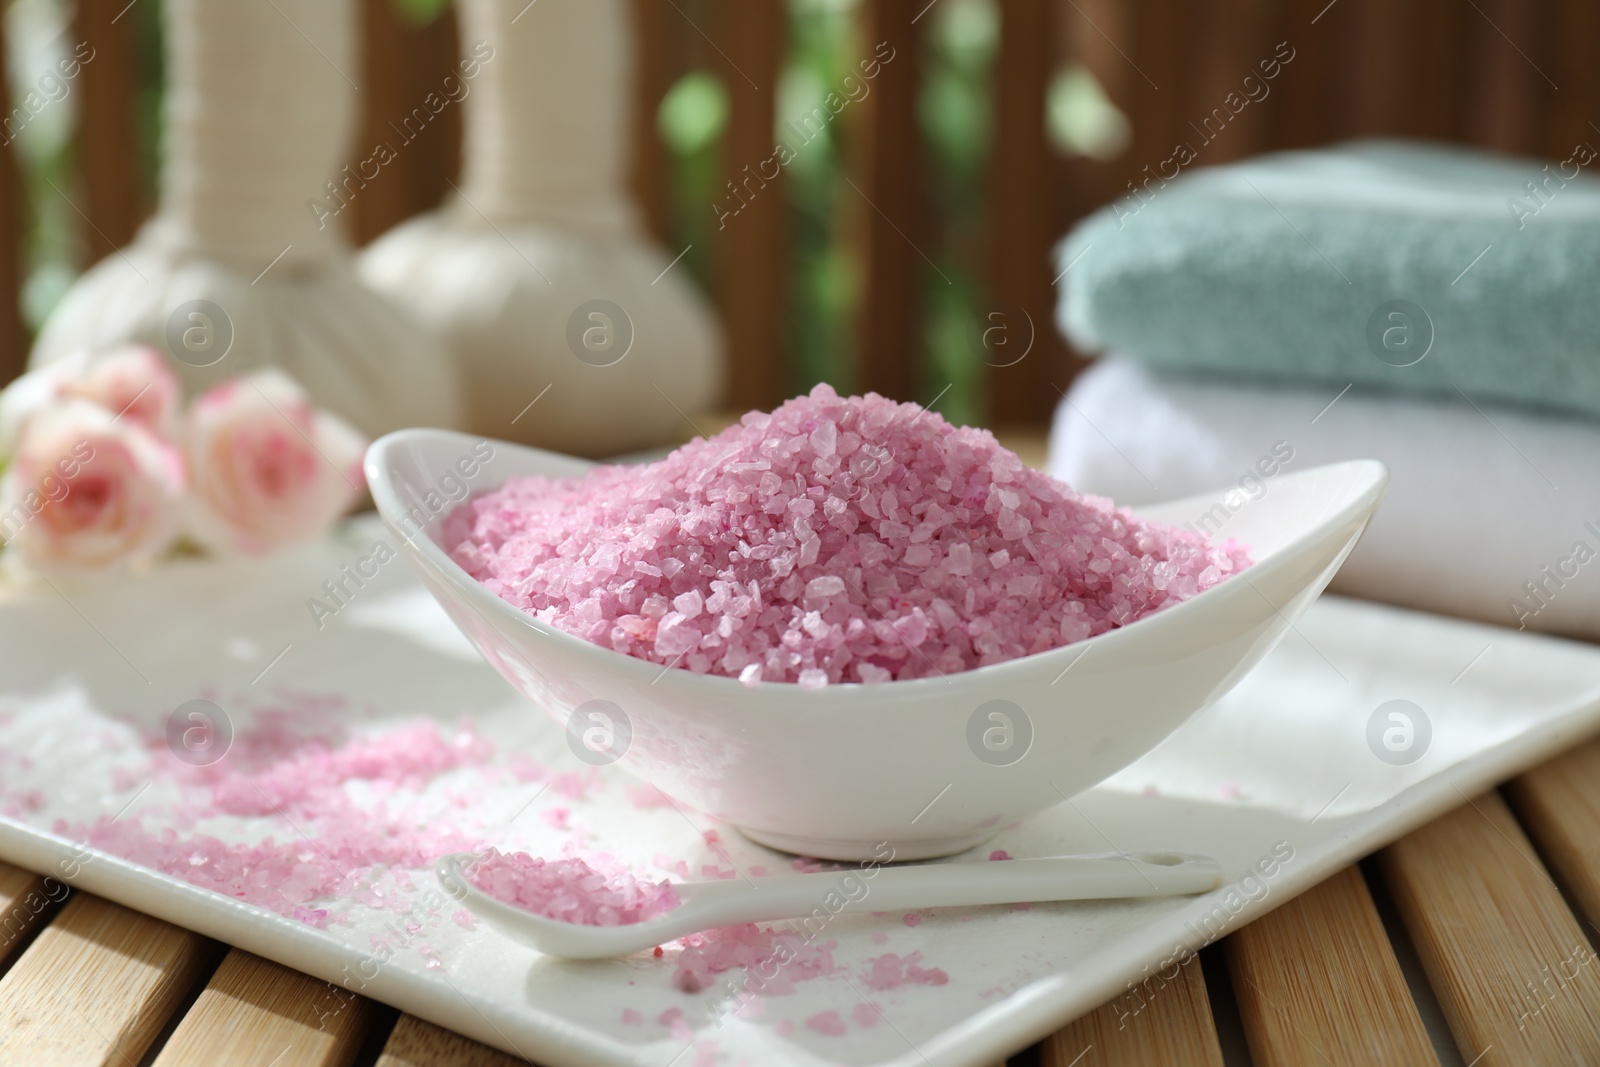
[
  {"x": 1285, "y": 266},
  {"x": 1240, "y": 304},
  {"x": 1493, "y": 514}
]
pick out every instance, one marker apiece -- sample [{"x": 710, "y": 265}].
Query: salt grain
[{"x": 825, "y": 586}]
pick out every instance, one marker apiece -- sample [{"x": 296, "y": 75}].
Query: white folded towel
[{"x": 1492, "y": 513}]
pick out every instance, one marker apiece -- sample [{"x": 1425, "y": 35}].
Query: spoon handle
[{"x": 939, "y": 885}]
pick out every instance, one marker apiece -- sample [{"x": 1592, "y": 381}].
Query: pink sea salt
[
  {"x": 676, "y": 1024},
  {"x": 827, "y": 1022},
  {"x": 777, "y": 958},
  {"x": 645, "y": 797},
  {"x": 834, "y": 540},
  {"x": 866, "y": 1016},
  {"x": 571, "y": 890},
  {"x": 297, "y": 782},
  {"x": 892, "y": 971}
]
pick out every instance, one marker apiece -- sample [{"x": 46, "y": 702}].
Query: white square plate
[{"x": 1279, "y": 776}]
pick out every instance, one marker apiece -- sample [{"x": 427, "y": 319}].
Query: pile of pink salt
[
  {"x": 571, "y": 890},
  {"x": 838, "y": 539}
]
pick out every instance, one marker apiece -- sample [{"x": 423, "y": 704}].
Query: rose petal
[
  {"x": 267, "y": 468},
  {"x": 86, "y": 491}
]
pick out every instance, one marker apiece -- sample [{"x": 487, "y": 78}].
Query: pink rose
[
  {"x": 86, "y": 491},
  {"x": 132, "y": 382},
  {"x": 266, "y": 468},
  {"x": 18, "y": 401}
]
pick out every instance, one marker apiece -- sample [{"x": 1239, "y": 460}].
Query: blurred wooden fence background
[{"x": 1514, "y": 75}]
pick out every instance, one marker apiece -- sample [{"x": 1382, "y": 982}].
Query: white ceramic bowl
[{"x": 922, "y": 767}]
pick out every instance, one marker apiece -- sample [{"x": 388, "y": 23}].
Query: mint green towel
[{"x": 1387, "y": 264}]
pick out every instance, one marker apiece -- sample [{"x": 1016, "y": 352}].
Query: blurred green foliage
[
  {"x": 421, "y": 12},
  {"x": 1081, "y": 120}
]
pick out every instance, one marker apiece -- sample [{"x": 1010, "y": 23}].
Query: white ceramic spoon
[{"x": 704, "y": 905}]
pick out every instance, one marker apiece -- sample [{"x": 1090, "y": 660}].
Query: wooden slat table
[
  {"x": 1319, "y": 974},
  {"x": 1482, "y": 897}
]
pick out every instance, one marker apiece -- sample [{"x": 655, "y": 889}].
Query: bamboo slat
[
  {"x": 1559, "y": 803},
  {"x": 401, "y": 63},
  {"x": 1380, "y": 73},
  {"x": 1165, "y": 1019},
  {"x": 255, "y": 1012},
  {"x": 26, "y": 900},
  {"x": 890, "y": 204},
  {"x": 1090, "y": 33},
  {"x": 1306, "y": 107},
  {"x": 660, "y": 57},
  {"x": 1024, "y": 223},
  {"x": 752, "y": 247},
  {"x": 1231, "y": 38},
  {"x": 1142, "y": 65},
  {"x": 97, "y": 986},
  {"x": 1317, "y": 983},
  {"x": 1093, "y": 32},
  {"x": 1576, "y": 104},
  {"x": 415, "y": 1043},
  {"x": 1511, "y": 966},
  {"x": 1148, "y": 81},
  {"x": 1439, "y": 62},
  {"x": 1511, "y": 87},
  {"x": 111, "y": 187}
]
